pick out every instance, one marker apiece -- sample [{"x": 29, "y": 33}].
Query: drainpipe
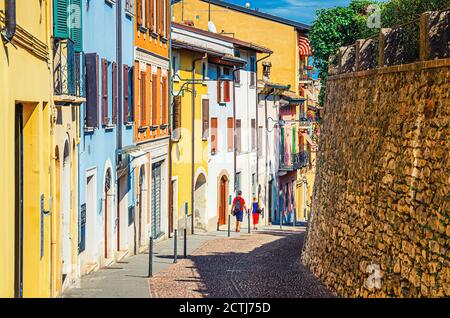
[
  {"x": 193, "y": 140},
  {"x": 10, "y": 19},
  {"x": 170, "y": 112},
  {"x": 257, "y": 122},
  {"x": 119, "y": 106}
]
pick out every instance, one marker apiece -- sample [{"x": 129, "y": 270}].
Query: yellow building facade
[
  {"x": 280, "y": 35},
  {"x": 25, "y": 168},
  {"x": 181, "y": 149}
]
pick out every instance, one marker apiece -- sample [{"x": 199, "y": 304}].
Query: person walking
[
  {"x": 237, "y": 209},
  {"x": 256, "y": 211}
]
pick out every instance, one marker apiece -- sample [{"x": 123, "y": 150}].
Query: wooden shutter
[
  {"x": 214, "y": 137},
  {"x": 125, "y": 94},
  {"x": 114, "y": 93},
  {"x": 139, "y": 11},
  {"x": 143, "y": 100},
  {"x": 148, "y": 14},
  {"x": 226, "y": 91},
  {"x": 177, "y": 117},
  {"x": 168, "y": 19},
  {"x": 161, "y": 17},
  {"x": 92, "y": 90},
  {"x": 104, "y": 92},
  {"x": 253, "y": 133},
  {"x": 230, "y": 133},
  {"x": 60, "y": 28},
  {"x": 165, "y": 105},
  {"x": 205, "y": 118},
  {"x": 75, "y": 31},
  {"x": 238, "y": 135},
  {"x": 152, "y": 15},
  {"x": 154, "y": 99}
]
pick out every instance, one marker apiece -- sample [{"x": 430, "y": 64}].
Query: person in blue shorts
[{"x": 237, "y": 209}]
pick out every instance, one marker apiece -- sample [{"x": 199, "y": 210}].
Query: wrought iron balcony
[
  {"x": 304, "y": 122},
  {"x": 294, "y": 161},
  {"x": 68, "y": 67}
]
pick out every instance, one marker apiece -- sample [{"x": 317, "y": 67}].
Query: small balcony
[
  {"x": 304, "y": 122},
  {"x": 68, "y": 71},
  {"x": 295, "y": 161}
]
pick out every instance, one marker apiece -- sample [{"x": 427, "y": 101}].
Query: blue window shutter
[{"x": 60, "y": 28}]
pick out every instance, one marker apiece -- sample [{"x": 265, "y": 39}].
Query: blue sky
[{"x": 297, "y": 10}]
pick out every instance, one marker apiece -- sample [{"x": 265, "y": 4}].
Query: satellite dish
[
  {"x": 211, "y": 27},
  {"x": 247, "y": 5}
]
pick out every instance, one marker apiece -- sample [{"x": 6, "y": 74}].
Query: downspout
[
  {"x": 267, "y": 152},
  {"x": 170, "y": 111},
  {"x": 10, "y": 21},
  {"x": 234, "y": 129},
  {"x": 257, "y": 122},
  {"x": 119, "y": 106},
  {"x": 193, "y": 141}
]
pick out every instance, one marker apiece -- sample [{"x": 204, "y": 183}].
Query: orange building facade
[{"x": 151, "y": 109}]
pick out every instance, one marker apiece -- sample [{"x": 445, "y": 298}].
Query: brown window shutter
[
  {"x": 104, "y": 92},
  {"x": 226, "y": 91},
  {"x": 238, "y": 135},
  {"x": 205, "y": 118},
  {"x": 177, "y": 117},
  {"x": 230, "y": 133},
  {"x": 139, "y": 12},
  {"x": 92, "y": 90},
  {"x": 161, "y": 17},
  {"x": 125, "y": 94},
  {"x": 148, "y": 14},
  {"x": 214, "y": 137},
  {"x": 143, "y": 101},
  {"x": 114, "y": 93},
  {"x": 165, "y": 106},
  {"x": 168, "y": 19},
  {"x": 152, "y": 16},
  {"x": 154, "y": 99}
]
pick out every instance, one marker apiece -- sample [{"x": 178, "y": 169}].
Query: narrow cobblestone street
[{"x": 263, "y": 264}]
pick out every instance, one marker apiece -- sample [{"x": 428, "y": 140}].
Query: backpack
[{"x": 237, "y": 206}]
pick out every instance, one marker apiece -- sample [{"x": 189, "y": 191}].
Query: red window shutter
[
  {"x": 143, "y": 101},
  {"x": 205, "y": 118},
  {"x": 114, "y": 92},
  {"x": 230, "y": 133},
  {"x": 139, "y": 11},
  {"x": 168, "y": 19},
  {"x": 214, "y": 137},
  {"x": 165, "y": 106},
  {"x": 154, "y": 99},
  {"x": 104, "y": 92},
  {"x": 161, "y": 17},
  {"x": 125, "y": 94},
  {"x": 148, "y": 14},
  {"x": 226, "y": 91}
]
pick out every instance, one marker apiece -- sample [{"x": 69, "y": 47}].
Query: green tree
[
  {"x": 333, "y": 28},
  {"x": 397, "y": 12}
]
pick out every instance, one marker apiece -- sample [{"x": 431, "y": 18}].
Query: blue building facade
[{"x": 105, "y": 180}]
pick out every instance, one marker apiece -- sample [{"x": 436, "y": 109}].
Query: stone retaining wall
[{"x": 380, "y": 224}]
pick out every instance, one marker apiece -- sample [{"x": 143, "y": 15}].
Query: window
[
  {"x": 205, "y": 118},
  {"x": 253, "y": 133},
  {"x": 176, "y": 132},
  {"x": 127, "y": 94},
  {"x": 252, "y": 71},
  {"x": 67, "y": 22},
  {"x": 91, "y": 117},
  {"x": 114, "y": 93},
  {"x": 223, "y": 86},
  {"x": 129, "y": 7},
  {"x": 165, "y": 104},
  {"x": 219, "y": 85},
  {"x": 226, "y": 86},
  {"x": 237, "y": 77},
  {"x": 214, "y": 136},
  {"x": 254, "y": 183},
  {"x": 143, "y": 101},
  {"x": 230, "y": 133},
  {"x": 238, "y": 135},
  {"x": 105, "y": 119},
  {"x": 154, "y": 99},
  {"x": 237, "y": 181}
]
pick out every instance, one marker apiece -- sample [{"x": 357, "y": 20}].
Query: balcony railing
[
  {"x": 304, "y": 122},
  {"x": 68, "y": 67},
  {"x": 294, "y": 161}
]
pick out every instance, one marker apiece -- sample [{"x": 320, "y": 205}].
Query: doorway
[
  {"x": 108, "y": 215},
  {"x": 200, "y": 215},
  {"x": 66, "y": 246},
  {"x": 223, "y": 185},
  {"x": 142, "y": 208},
  {"x": 156, "y": 200}
]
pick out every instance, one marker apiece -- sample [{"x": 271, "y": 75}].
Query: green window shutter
[
  {"x": 60, "y": 29},
  {"x": 76, "y": 25},
  {"x": 294, "y": 144}
]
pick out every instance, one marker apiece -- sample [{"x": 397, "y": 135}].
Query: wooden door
[{"x": 222, "y": 201}]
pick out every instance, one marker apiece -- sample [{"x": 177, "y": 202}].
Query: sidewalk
[{"x": 128, "y": 278}]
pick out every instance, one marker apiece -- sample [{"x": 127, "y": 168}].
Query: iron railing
[
  {"x": 294, "y": 161},
  {"x": 68, "y": 69}
]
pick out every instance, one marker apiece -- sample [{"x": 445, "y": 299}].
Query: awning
[
  {"x": 138, "y": 158},
  {"x": 304, "y": 46},
  {"x": 308, "y": 139}
]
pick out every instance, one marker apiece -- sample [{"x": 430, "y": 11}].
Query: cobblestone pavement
[{"x": 263, "y": 264}]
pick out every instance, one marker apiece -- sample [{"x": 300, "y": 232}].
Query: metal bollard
[
  {"x": 248, "y": 213},
  {"x": 175, "y": 252},
  {"x": 229, "y": 225},
  {"x": 150, "y": 257},
  {"x": 185, "y": 243},
  {"x": 281, "y": 220}
]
